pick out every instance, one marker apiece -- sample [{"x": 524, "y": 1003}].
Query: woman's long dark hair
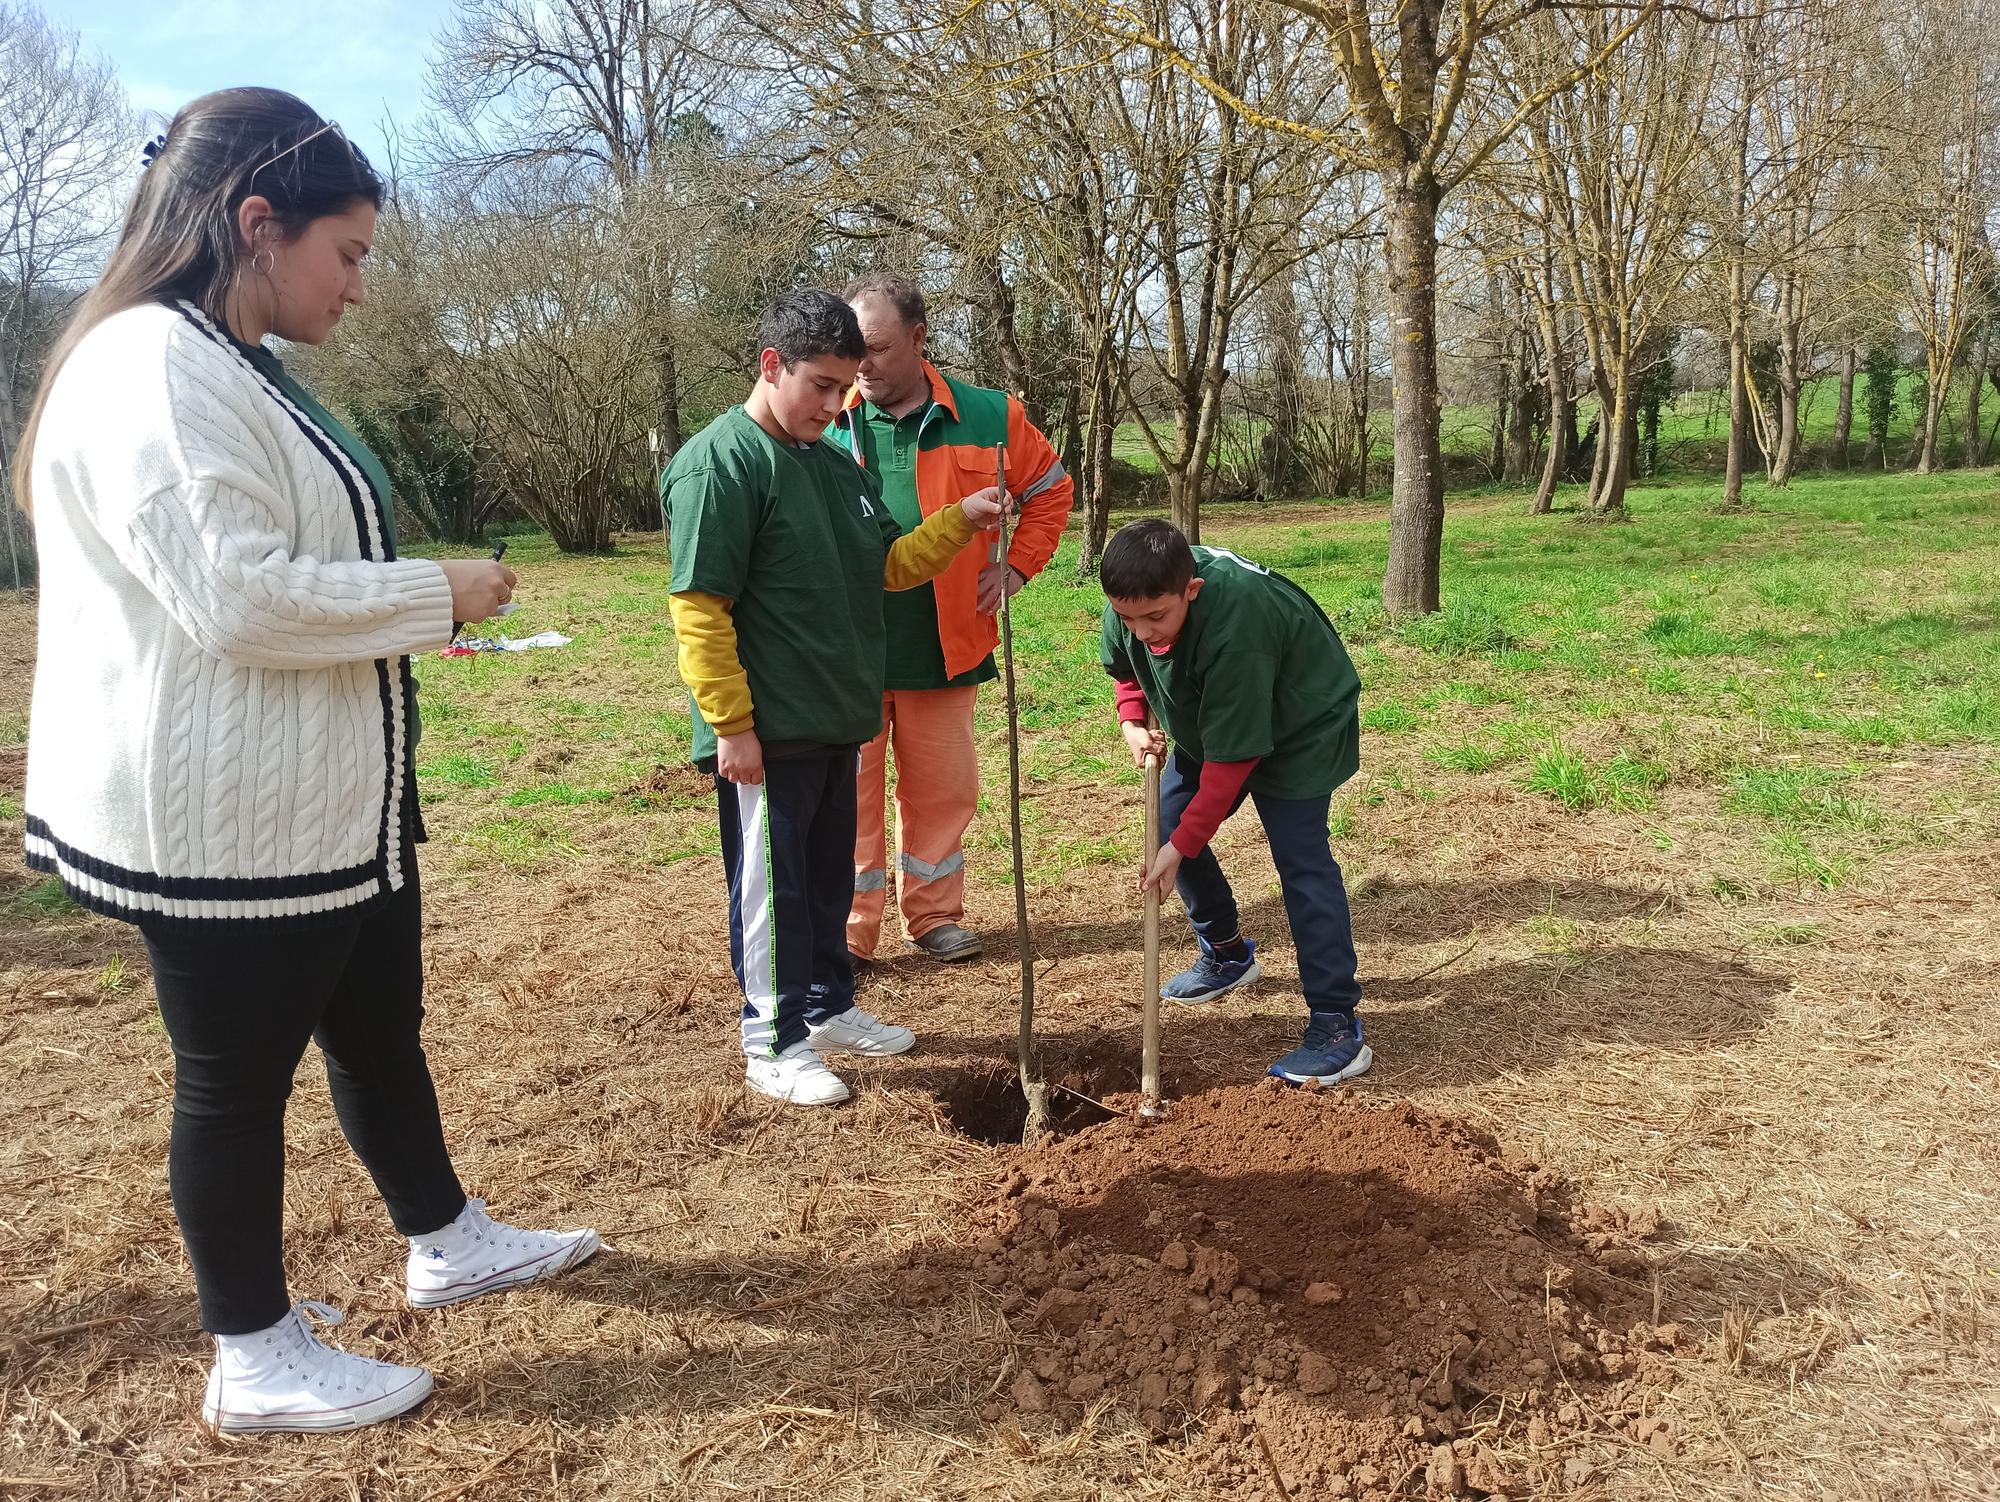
[{"x": 180, "y": 237}]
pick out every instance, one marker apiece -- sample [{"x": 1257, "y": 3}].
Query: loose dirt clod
[{"x": 1379, "y": 1293}]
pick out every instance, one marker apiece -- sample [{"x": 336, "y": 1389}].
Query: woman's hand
[{"x": 479, "y": 587}]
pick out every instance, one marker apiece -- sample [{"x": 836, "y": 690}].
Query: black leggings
[{"x": 239, "y": 1008}]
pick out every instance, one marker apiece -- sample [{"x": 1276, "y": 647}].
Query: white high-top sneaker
[
  {"x": 858, "y": 1032},
  {"x": 797, "y": 1075},
  {"x": 286, "y": 1378},
  {"x": 476, "y": 1255}
]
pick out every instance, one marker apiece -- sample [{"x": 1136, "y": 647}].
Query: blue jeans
[{"x": 1315, "y": 896}]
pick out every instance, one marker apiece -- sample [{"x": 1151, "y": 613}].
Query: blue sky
[{"x": 353, "y": 61}]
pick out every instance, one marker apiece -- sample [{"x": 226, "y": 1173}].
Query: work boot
[
  {"x": 950, "y": 943},
  {"x": 1332, "y": 1051},
  {"x": 1211, "y": 976},
  {"x": 285, "y": 1379},
  {"x": 476, "y": 1255}
]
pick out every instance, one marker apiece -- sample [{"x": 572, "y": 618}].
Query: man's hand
[
  {"x": 990, "y": 580},
  {"x": 1143, "y": 742},
  {"x": 984, "y": 508},
  {"x": 1166, "y": 865},
  {"x": 740, "y": 758}
]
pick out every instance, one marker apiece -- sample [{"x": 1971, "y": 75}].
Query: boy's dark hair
[
  {"x": 902, "y": 294},
  {"x": 1145, "y": 560},
  {"x": 809, "y": 323}
]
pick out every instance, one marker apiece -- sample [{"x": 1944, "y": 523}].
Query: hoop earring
[{"x": 263, "y": 262}]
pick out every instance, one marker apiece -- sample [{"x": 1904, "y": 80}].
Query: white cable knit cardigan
[{"x": 222, "y": 695}]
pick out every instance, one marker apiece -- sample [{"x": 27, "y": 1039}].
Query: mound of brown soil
[{"x": 1350, "y": 1294}]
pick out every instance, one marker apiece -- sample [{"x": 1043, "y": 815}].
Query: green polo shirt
[
  {"x": 796, "y": 535},
  {"x": 1258, "y": 670},
  {"x": 915, "y": 657}
]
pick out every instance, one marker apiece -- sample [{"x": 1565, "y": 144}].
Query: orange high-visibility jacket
[{"x": 960, "y": 430}]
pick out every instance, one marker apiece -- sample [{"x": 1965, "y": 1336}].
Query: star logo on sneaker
[{"x": 436, "y": 1253}]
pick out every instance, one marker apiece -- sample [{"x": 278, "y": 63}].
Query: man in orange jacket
[{"x": 931, "y": 441}]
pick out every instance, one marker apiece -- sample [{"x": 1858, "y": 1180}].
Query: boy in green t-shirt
[
  {"x": 1257, "y": 695},
  {"x": 782, "y": 549}
]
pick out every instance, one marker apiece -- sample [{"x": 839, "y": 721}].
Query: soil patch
[{"x": 1350, "y": 1294}]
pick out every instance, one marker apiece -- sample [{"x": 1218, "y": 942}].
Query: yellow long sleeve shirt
[{"x": 705, "y": 631}]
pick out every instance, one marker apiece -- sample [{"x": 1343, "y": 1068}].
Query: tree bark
[
  {"x": 1614, "y": 443},
  {"x": 1975, "y": 435},
  {"x": 1560, "y": 425},
  {"x": 1520, "y": 417},
  {"x": 1843, "y": 414},
  {"x": 1283, "y": 468},
  {"x": 1099, "y": 428},
  {"x": 1791, "y": 317},
  {"x": 1416, "y": 509}
]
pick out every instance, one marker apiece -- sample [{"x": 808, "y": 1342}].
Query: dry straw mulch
[{"x": 1799, "y": 1086}]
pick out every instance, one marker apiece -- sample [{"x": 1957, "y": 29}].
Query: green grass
[
  {"x": 1624, "y": 781},
  {"x": 42, "y": 899},
  {"x": 1759, "y": 668}
]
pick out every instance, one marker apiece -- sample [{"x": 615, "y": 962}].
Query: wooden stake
[
  {"x": 1149, "y": 1046},
  {"x": 1034, "y": 1089}
]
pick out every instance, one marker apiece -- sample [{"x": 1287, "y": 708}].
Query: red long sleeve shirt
[{"x": 1221, "y": 781}]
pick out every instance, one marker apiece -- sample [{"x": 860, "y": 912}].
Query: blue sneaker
[
  {"x": 1211, "y": 975},
  {"x": 1332, "y": 1051}
]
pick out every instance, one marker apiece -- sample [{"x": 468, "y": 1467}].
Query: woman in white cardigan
[{"x": 220, "y": 745}]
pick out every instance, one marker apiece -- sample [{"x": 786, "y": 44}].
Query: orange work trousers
[{"x": 937, "y": 793}]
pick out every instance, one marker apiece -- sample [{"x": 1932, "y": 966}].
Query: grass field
[{"x": 1675, "y": 856}]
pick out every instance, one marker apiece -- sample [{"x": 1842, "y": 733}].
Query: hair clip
[{"x": 153, "y": 148}]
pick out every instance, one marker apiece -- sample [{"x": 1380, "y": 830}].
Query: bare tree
[
  {"x": 616, "y": 92},
  {"x": 68, "y": 141},
  {"x": 1618, "y": 155},
  {"x": 1420, "y": 112},
  {"x": 1936, "y": 194}
]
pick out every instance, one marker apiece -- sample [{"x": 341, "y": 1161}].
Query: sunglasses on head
[{"x": 304, "y": 141}]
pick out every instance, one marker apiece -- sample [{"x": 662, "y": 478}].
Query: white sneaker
[
  {"x": 476, "y": 1255},
  {"x": 859, "y": 1032},
  {"x": 796, "y": 1075},
  {"x": 285, "y": 1378}
]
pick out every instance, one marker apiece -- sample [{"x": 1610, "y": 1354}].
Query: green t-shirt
[
  {"x": 1258, "y": 670},
  {"x": 796, "y": 535},
  {"x": 915, "y": 655}
]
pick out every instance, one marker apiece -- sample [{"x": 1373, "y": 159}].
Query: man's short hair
[
  {"x": 807, "y": 324},
  {"x": 1144, "y": 560},
  {"x": 897, "y": 290}
]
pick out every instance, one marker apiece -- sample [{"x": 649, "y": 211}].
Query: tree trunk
[
  {"x": 1102, "y": 425},
  {"x": 1014, "y": 369},
  {"x": 1416, "y": 509},
  {"x": 1739, "y": 301},
  {"x": 1520, "y": 418},
  {"x": 1975, "y": 435},
  {"x": 1359, "y": 395},
  {"x": 1284, "y": 467},
  {"x": 1615, "y": 430},
  {"x": 1843, "y": 414},
  {"x": 1184, "y": 501},
  {"x": 1561, "y": 424},
  {"x": 1927, "y": 448},
  {"x": 1786, "y": 457}
]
